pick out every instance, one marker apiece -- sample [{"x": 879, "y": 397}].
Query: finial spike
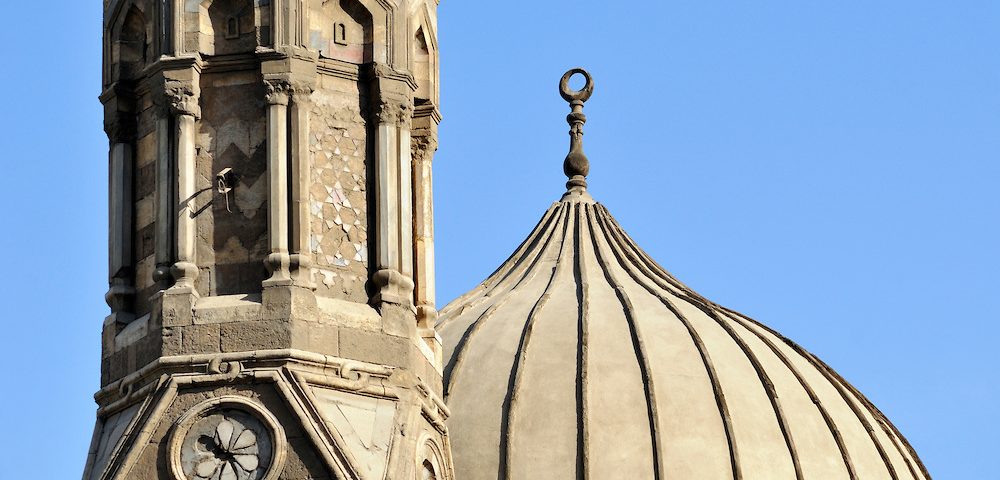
[{"x": 576, "y": 166}]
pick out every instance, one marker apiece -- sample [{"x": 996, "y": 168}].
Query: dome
[{"x": 581, "y": 357}]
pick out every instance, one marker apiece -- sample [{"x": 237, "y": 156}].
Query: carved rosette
[{"x": 227, "y": 438}]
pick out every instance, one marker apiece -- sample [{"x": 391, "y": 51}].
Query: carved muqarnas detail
[{"x": 227, "y": 438}]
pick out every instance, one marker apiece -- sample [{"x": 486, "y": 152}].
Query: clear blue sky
[{"x": 830, "y": 168}]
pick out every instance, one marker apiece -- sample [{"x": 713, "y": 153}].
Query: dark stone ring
[{"x": 581, "y": 95}]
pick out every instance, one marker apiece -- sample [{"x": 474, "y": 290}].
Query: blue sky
[{"x": 830, "y": 168}]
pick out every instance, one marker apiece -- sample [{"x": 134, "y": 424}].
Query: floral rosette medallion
[{"x": 227, "y": 440}]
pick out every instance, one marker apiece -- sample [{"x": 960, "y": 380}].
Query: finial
[{"x": 576, "y": 165}]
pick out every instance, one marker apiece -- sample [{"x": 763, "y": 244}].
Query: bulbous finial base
[{"x": 576, "y": 166}]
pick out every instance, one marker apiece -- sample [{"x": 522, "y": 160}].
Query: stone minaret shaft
[{"x": 271, "y": 241}]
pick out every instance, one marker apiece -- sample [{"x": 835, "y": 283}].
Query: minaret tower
[{"x": 271, "y": 242}]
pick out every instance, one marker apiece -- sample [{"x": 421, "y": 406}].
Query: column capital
[
  {"x": 120, "y": 127},
  {"x": 278, "y": 91},
  {"x": 422, "y": 147},
  {"x": 394, "y": 111},
  {"x": 179, "y": 98}
]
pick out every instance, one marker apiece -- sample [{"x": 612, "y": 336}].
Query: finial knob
[{"x": 576, "y": 166}]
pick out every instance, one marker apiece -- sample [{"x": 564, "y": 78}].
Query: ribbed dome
[{"x": 582, "y": 358}]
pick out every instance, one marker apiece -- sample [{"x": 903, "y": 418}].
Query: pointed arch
[
  {"x": 130, "y": 45},
  {"x": 224, "y": 27}
]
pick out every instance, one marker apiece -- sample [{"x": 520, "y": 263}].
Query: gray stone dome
[{"x": 581, "y": 357}]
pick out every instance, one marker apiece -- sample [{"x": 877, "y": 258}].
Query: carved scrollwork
[
  {"x": 218, "y": 367},
  {"x": 278, "y": 92}
]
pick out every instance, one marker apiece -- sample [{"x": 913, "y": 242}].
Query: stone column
[
  {"x": 301, "y": 254},
  {"x": 121, "y": 130},
  {"x": 184, "y": 106},
  {"x": 393, "y": 204},
  {"x": 164, "y": 201},
  {"x": 278, "y": 261},
  {"x": 424, "y": 293}
]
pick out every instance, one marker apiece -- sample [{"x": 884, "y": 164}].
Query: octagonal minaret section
[{"x": 271, "y": 210}]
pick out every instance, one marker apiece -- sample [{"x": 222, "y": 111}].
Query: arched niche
[
  {"x": 225, "y": 27},
  {"x": 342, "y": 30},
  {"x": 131, "y": 48},
  {"x": 423, "y": 67}
]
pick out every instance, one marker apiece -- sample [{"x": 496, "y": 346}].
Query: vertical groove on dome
[
  {"x": 826, "y": 371},
  {"x": 550, "y": 222},
  {"x": 633, "y": 256},
  {"x": 905, "y": 449},
  {"x": 640, "y": 350},
  {"x": 879, "y": 417},
  {"x": 720, "y": 397},
  {"x": 510, "y": 401},
  {"x": 540, "y": 232},
  {"x": 583, "y": 296},
  {"x": 834, "y": 430},
  {"x": 832, "y": 378}
]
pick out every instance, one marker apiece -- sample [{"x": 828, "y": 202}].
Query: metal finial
[{"x": 576, "y": 165}]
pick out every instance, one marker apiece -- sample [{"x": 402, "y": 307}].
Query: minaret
[{"x": 271, "y": 242}]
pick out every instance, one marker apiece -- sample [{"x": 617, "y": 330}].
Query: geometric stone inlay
[{"x": 338, "y": 234}]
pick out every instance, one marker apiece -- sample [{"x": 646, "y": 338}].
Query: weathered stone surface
[
  {"x": 201, "y": 339},
  {"x": 256, "y": 335},
  {"x": 243, "y": 242},
  {"x": 375, "y": 348}
]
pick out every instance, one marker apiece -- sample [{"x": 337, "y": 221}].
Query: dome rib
[
  {"x": 542, "y": 232},
  {"x": 583, "y": 331},
  {"x": 832, "y": 376},
  {"x": 791, "y": 410},
  {"x": 620, "y": 244},
  {"x": 639, "y": 347},
  {"x": 702, "y": 303},
  {"x": 845, "y": 387},
  {"x": 510, "y": 402},
  {"x": 720, "y": 397},
  {"x": 846, "y": 391},
  {"x": 827, "y": 418}
]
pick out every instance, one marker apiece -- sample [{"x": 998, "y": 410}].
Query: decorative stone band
[
  {"x": 294, "y": 374},
  {"x": 339, "y": 372}
]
